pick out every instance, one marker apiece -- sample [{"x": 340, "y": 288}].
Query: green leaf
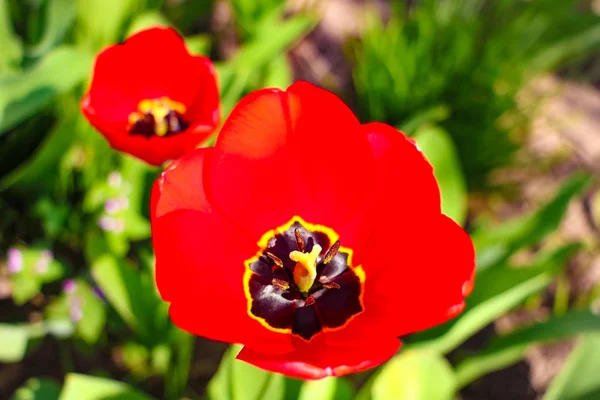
[
  {"x": 414, "y": 375},
  {"x": 136, "y": 226},
  {"x": 437, "y": 146},
  {"x": 199, "y": 45},
  {"x": 11, "y": 45},
  {"x": 14, "y": 340},
  {"x": 182, "y": 348},
  {"x": 135, "y": 173},
  {"x": 60, "y": 15},
  {"x": 84, "y": 387},
  {"x": 125, "y": 290},
  {"x": 555, "y": 328},
  {"x": 24, "y": 94},
  {"x": 147, "y": 20},
  {"x": 326, "y": 389},
  {"x": 24, "y": 288},
  {"x": 248, "y": 14},
  {"x": 161, "y": 358},
  {"x": 136, "y": 359},
  {"x": 578, "y": 379},
  {"x": 254, "y": 56},
  {"x": 37, "y": 389},
  {"x": 38, "y": 267},
  {"x": 475, "y": 318},
  {"x": 102, "y": 22},
  {"x": 93, "y": 312},
  {"x": 495, "y": 244},
  {"x": 274, "y": 39},
  {"x": 279, "y": 73},
  {"x": 237, "y": 380},
  {"x": 494, "y": 281},
  {"x": 428, "y": 116},
  {"x": 508, "y": 349}
]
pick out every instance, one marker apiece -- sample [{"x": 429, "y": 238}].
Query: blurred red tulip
[{"x": 150, "y": 98}]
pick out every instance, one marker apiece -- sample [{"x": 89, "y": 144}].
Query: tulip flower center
[
  {"x": 302, "y": 280},
  {"x": 160, "y": 117}
]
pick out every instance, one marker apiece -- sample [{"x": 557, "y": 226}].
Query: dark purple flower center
[
  {"x": 158, "y": 117},
  {"x": 303, "y": 282}
]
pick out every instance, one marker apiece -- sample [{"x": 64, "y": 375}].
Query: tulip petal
[
  {"x": 299, "y": 152},
  {"x": 200, "y": 260},
  {"x": 320, "y": 362}
]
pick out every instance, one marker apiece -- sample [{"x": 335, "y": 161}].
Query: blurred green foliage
[
  {"x": 576, "y": 380},
  {"x": 471, "y": 57},
  {"x": 446, "y": 72}
]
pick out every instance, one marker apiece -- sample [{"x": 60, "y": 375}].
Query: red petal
[
  {"x": 407, "y": 189},
  {"x": 299, "y": 152},
  {"x": 200, "y": 261},
  {"x": 316, "y": 362},
  {"x": 420, "y": 278},
  {"x": 205, "y": 110},
  {"x": 199, "y": 269},
  {"x": 419, "y": 265},
  {"x": 181, "y": 185}
]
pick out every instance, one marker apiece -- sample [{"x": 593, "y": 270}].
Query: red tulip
[
  {"x": 151, "y": 98},
  {"x": 309, "y": 238}
]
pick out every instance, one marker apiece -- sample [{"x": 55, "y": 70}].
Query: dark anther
[
  {"x": 299, "y": 239},
  {"x": 309, "y": 301},
  {"x": 143, "y": 126},
  {"x": 275, "y": 259},
  {"x": 331, "y": 252},
  {"x": 176, "y": 123},
  {"x": 331, "y": 285}
]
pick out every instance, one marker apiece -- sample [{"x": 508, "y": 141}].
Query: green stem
[
  {"x": 265, "y": 387},
  {"x": 473, "y": 368},
  {"x": 65, "y": 357}
]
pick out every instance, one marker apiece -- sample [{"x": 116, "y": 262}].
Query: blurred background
[{"x": 501, "y": 95}]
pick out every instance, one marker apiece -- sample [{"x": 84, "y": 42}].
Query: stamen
[
  {"x": 280, "y": 283},
  {"x": 163, "y": 116},
  {"x": 134, "y": 117},
  {"x": 305, "y": 270},
  {"x": 309, "y": 301},
  {"x": 333, "y": 250},
  {"x": 331, "y": 285},
  {"x": 275, "y": 259},
  {"x": 299, "y": 239}
]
